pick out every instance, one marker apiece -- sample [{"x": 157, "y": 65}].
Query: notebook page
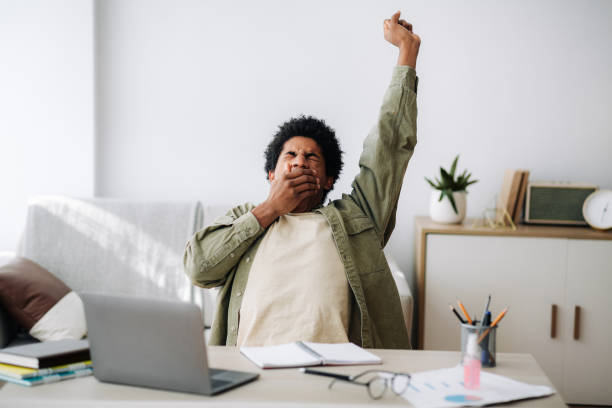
[
  {"x": 343, "y": 353},
  {"x": 283, "y": 355}
]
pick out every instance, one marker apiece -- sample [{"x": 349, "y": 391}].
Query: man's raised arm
[{"x": 390, "y": 144}]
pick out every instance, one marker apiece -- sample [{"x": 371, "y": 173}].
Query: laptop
[{"x": 153, "y": 343}]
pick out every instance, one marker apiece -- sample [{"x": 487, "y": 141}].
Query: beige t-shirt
[{"x": 297, "y": 287}]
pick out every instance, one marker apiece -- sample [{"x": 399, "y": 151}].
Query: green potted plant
[{"x": 454, "y": 188}]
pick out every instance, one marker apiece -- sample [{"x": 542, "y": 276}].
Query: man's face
[{"x": 304, "y": 152}]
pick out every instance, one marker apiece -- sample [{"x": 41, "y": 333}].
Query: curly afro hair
[{"x": 317, "y": 130}]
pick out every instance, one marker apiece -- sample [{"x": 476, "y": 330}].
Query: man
[{"x": 291, "y": 269}]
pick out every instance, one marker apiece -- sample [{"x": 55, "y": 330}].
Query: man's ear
[
  {"x": 271, "y": 175},
  {"x": 329, "y": 183}
]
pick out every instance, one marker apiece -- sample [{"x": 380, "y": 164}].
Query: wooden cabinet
[
  {"x": 545, "y": 275},
  {"x": 588, "y": 340}
]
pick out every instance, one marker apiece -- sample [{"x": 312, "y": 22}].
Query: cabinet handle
[
  {"x": 576, "y": 322},
  {"x": 553, "y": 321}
]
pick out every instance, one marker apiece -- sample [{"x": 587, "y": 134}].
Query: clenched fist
[{"x": 399, "y": 33}]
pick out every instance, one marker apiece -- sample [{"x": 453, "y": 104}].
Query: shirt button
[
  {"x": 239, "y": 294},
  {"x": 232, "y": 255},
  {"x": 233, "y": 328},
  {"x": 248, "y": 259}
]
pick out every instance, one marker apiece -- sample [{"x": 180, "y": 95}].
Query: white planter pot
[{"x": 442, "y": 211}]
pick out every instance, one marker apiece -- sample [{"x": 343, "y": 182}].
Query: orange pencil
[
  {"x": 497, "y": 319},
  {"x": 467, "y": 316}
]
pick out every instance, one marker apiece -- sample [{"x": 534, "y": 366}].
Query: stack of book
[
  {"x": 45, "y": 362},
  {"x": 512, "y": 198}
]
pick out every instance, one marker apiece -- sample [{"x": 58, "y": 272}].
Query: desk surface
[{"x": 282, "y": 387}]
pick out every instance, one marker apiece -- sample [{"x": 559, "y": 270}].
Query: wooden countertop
[{"x": 424, "y": 225}]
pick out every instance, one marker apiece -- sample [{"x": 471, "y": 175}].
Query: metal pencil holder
[{"x": 486, "y": 337}]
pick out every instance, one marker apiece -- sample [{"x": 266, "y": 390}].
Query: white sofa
[{"x": 126, "y": 247}]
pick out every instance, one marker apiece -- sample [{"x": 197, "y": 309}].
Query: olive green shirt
[{"x": 361, "y": 223}]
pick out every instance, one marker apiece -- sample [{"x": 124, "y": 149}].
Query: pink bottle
[{"x": 471, "y": 363}]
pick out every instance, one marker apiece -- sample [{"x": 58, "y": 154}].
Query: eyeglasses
[{"x": 376, "y": 381}]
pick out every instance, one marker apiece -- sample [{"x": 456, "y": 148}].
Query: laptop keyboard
[
  {"x": 218, "y": 383},
  {"x": 216, "y": 376}
]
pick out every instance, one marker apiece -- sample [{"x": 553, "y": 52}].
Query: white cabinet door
[
  {"x": 526, "y": 274},
  {"x": 588, "y": 360}
]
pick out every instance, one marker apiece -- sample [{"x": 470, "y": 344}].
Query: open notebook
[{"x": 303, "y": 354}]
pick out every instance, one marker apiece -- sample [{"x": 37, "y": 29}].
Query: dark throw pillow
[{"x": 41, "y": 303}]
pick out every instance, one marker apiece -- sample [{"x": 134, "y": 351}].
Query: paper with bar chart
[{"x": 444, "y": 388}]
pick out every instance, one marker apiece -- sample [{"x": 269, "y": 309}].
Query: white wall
[
  {"x": 46, "y": 105},
  {"x": 188, "y": 94},
  {"x": 191, "y": 92}
]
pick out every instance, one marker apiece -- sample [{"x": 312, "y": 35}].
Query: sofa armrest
[
  {"x": 405, "y": 294},
  {"x": 6, "y": 257},
  {"x": 406, "y": 299}
]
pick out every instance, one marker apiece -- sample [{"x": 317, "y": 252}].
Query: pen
[
  {"x": 456, "y": 313},
  {"x": 488, "y": 302},
  {"x": 497, "y": 319},
  {"x": 326, "y": 374},
  {"x": 486, "y": 357},
  {"x": 486, "y": 320},
  {"x": 467, "y": 316}
]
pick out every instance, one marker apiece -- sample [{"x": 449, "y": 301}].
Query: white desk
[{"x": 282, "y": 387}]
